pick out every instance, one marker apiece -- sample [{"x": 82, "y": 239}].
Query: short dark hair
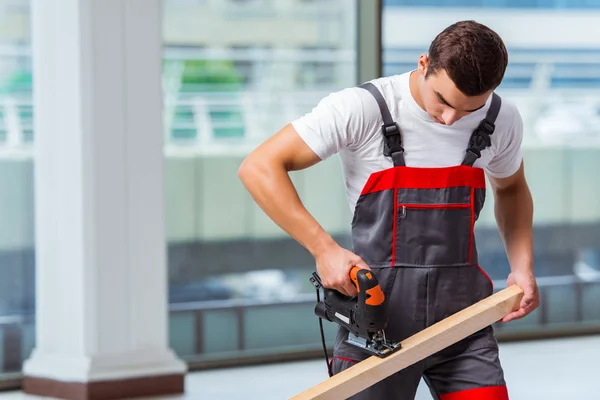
[{"x": 473, "y": 56}]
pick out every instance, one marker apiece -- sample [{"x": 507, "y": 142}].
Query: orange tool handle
[{"x": 365, "y": 280}]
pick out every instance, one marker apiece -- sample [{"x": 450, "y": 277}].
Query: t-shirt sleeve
[
  {"x": 508, "y": 158},
  {"x": 333, "y": 124}
]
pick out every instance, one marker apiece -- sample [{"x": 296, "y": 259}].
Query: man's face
[{"x": 444, "y": 103}]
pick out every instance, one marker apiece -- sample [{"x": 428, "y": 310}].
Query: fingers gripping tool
[{"x": 364, "y": 315}]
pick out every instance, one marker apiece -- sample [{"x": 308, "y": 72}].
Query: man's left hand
[{"x": 531, "y": 298}]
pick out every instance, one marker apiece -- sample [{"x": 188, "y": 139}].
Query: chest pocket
[{"x": 432, "y": 234}]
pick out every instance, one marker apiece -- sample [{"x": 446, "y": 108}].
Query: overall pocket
[{"x": 433, "y": 235}]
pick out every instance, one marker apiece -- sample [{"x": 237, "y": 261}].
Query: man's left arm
[{"x": 513, "y": 208}]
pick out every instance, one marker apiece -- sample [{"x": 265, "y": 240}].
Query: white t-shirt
[{"x": 349, "y": 122}]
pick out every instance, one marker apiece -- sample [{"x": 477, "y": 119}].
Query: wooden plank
[{"x": 417, "y": 347}]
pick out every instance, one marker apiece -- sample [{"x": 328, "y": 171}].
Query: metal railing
[
  {"x": 12, "y": 326},
  {"x": 211, "y": 122},
  {"x": 267, "y": 94}
]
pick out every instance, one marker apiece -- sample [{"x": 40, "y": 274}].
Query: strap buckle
[
  {"x": 390, "y": 129},
  {"x": 480, "y": 139},
  {"x": 393, "y": 140},
  {"x": 486, "y": 127}
]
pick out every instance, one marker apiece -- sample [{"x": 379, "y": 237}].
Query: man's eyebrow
[{"x": 441, "y": 98}]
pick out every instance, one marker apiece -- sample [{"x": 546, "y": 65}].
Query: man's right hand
[{"x": 333, "y": 267}]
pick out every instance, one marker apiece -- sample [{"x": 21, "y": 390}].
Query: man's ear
[{"x": 423, "y": 64}]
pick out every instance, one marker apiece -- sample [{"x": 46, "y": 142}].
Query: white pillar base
[
  {"x": 104, "y": 368},
  {"x": 135, "y": 374}
]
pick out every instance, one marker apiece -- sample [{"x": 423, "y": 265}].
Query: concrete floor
[{"x": 556, "y": 369}]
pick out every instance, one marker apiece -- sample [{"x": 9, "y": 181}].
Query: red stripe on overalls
[
  {"x": 484, "y": 393},
  {"x": 394, "y": 228},
  {"x": 346, "y": 359},
  {"x": 424, "y": 178},
  {"x": 472, "y": 226},
  {"x": 486, "y": 275}
]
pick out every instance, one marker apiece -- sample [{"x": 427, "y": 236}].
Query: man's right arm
[{"x": 265, "y": 174}]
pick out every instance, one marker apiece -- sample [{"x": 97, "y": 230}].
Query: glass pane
[
  {"x": 236, "y": 72},
  {"x": 17, "y": 256}
]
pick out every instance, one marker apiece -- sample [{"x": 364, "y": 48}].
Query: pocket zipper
[{"x": 403, "y": 207}]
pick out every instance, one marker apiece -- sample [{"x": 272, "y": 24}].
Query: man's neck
[{"x": 415, "y": 91}]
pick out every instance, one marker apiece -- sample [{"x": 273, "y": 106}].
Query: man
[{"x": 414, "y": 150}]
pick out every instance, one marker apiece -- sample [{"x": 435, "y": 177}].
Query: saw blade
[{"x": 379, "y": 348}]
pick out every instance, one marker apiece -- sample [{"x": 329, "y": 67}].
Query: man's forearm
[
  {"x": 272, "y": 189},
  {"x": 514, "y": 215}
]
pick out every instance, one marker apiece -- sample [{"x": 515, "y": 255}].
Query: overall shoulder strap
[
  {"x": 390, "y": 129},
  {"x": 480, "y": 138}
]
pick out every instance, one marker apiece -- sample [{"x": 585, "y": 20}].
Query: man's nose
[{"x": 449, "y": 116}]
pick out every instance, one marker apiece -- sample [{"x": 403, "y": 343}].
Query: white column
[{"x": 100, "y": 232}]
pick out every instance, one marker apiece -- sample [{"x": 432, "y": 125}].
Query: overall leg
[
  {"x": 471, "y": 368},
  {"x": 399, "y": 386},
  {"x": 468, "y": 370},
  {"x": 403, "y": 289}
]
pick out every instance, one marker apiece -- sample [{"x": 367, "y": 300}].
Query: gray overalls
[{"x": 414, "y": 228}]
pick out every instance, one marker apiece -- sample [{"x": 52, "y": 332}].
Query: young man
[{"x": 414, "y": 149}]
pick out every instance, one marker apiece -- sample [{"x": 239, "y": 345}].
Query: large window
[
  {"x": 235, "y": 72},
  {"x": 554, "y": 79},
  {"x": 17, "y": 262}
]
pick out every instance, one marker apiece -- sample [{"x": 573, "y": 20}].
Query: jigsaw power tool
[{"x": 364, "y": 315}]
